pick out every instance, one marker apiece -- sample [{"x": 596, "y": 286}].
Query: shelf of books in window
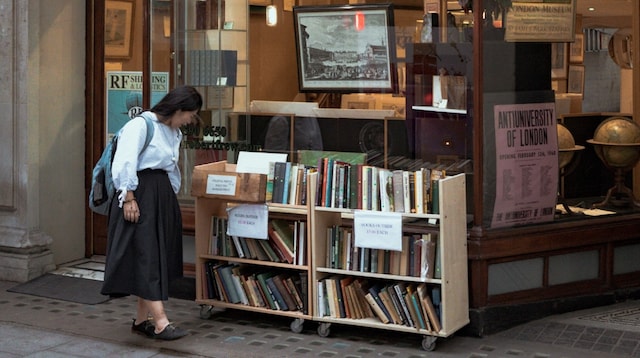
[{"x": 396, "y": 290}]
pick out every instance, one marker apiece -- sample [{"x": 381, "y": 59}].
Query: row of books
[
  {"x": 359, "y": 186},
  {"x": 286, "y": 242},
  {"x": 287, "y": 183},
  {"x": 213, "y": 67},
  {"x": 273, "y": 290},
  {"x": 419, "y": 256},
  {"x": 411, "y": 305}
]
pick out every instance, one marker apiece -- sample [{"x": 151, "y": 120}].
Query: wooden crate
[{"x": 219, "y": 180}]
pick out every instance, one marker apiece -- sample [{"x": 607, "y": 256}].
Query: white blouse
[{"x": 162, "y": 153}]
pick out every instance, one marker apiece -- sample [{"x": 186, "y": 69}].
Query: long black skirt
[{"x": 144, "y": 257}]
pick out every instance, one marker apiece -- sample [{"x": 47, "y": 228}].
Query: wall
[
  {"x": 602, "y": 83},
  {"x": 61, "y": 124},
  {"x": 273, "y": 69}
]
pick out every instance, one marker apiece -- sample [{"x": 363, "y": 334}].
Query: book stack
[
  {"x": 400, "y": 303},
  {"x": 274, "y": 290},
  {"x": 358, "y": 186},
  {"x": 420, "y": 258},
  {"x": 286, "y": 242},
  {"x": 287, "y": 183}
]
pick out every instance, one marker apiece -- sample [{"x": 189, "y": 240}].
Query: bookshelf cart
[
  {"x": 249, "y": 189},
  {"x": 450, "y": 227}
]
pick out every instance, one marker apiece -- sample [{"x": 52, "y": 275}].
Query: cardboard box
[{"x": 220, "y": 181}]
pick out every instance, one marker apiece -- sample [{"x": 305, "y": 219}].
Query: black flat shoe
[
  {"x": 146, "y": 328},
  {"x": 170, "y": 333}
]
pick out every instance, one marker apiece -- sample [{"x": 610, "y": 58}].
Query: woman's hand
[{"x": 131, "y": 210}]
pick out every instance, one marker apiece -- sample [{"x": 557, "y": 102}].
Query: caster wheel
[
  {"x": 429, "y": 343},
  {"x": 205, "y": 312},
  {"x": 296, "y": 325},
  {"x": 324, "y": 329}
]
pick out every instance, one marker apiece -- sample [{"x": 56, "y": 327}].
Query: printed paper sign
[
  {"x": 221, "y": 184},
  {"x": 249, "y": 220},
  {"x": 378, "y": 230}
]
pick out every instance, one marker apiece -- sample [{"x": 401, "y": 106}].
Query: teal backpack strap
[{"x": 150, "y": 130}]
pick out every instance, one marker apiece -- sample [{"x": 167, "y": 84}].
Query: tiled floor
[{"x": 33, "y": 326}]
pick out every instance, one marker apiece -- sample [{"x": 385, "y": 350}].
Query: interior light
[
  {"x": 592, "y": 9},
  {"x": 272, "y": 15},
  {"x": 359, "y": 21}
]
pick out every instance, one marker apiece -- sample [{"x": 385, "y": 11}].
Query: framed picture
[
  {"x": 559, "y": 60},
  {"x": 219, "y": 97},
  {"x": 345, "y": 48},
  {"x": 357, "y": 101},
  {"x": 576, "y": 49},
  {"x": 118, "y": 28},
  {"x": 575, "y": 81}
]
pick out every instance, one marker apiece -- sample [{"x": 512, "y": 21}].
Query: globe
[
  {"x": 566, "y": 146},
  {"x": 617, "y": 142}
]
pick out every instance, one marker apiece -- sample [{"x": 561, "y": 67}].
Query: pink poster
[{"x": 526, "y": 164}]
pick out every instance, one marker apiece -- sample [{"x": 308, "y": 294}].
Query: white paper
[
  {"x": 221, "y": 184},
  {"x": 378, "y": 230},
  {"x": 248, "y": 220},
  {"x": 258, "y": 162}
]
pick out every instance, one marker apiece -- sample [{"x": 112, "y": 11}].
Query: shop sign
[{"x": 541, "y": 21}]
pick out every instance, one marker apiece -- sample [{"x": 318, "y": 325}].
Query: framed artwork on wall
[
  {"x": 346, "y": 48},
  {"x": 576, "y": 49},
  {"x": 118, "y": 28},
  {"x": 559, "y": 60},
  {"x": 575, "y": 81}
]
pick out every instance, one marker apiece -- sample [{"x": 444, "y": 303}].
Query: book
[
  {"x": 385, "y": 184},
  {"x": 432, "y": 313},
  {"x": 293, "y": 291},
  {"x": 400, "y": 291},
  {"x": 268, "y": 250},
  {"x": 436, "y": 175},
  {"x": 242, "y": 294},
  {"x": 289, "y": 301},
  {"x": 421, "y": 290},
  {"x": 276, "y": 238},
  {"x": 417, "y": 307},
  {"x": 376, "y": 308},
  {"x": 406, "y": 191},
  {"x": 331, "y": 297},
  {"x": 385, "y": 297},
  {"x": 360, "y": 293},
  {"x": 284, "y": 230},
  {"x": 398, "y": 192},
  {"x": 262, "y": 281},
  {"x": 269, "y": 186},
  {"x": 411, "y": 307},
  {"x": 255, "y": 292},
  {"x": 375, "y": 292},
  {"x": 228, "y": 283},
  {"x": 293, "y": 185},
  {"x": 287, "y": 183},
  {"x": 418, "y": 191},
  {"x": 279, "y": 182}
]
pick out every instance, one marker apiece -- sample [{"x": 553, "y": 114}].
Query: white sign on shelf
[
  {"x": 221, "y": 184},
  {"x": 248, "y": 220},
  {"x": 378, "y": 230}
]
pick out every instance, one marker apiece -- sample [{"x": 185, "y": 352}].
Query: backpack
[{"x": 102, "y": 188}]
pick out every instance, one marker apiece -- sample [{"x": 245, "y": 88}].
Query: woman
[{"x": 144, "y": 247}]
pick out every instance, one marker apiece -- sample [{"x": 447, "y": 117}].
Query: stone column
[{"x": 24, "y": 249}]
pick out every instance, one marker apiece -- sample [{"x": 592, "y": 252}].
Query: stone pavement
[{"x": 32, "y": 326}]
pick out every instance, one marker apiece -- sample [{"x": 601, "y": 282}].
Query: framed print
[
  {"x": 345, "y": 48},
  {"x": 219, "y": 97},
  {"x": 118, "y": 28},
  {"x": 575, "y": 81},
  {"x": 357, "y": 101},
  {"x": 559, "y": 60},
  {"x": 576, "y": 49}
]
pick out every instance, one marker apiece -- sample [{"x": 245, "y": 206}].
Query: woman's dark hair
[{"x": 185, "y": 98}]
